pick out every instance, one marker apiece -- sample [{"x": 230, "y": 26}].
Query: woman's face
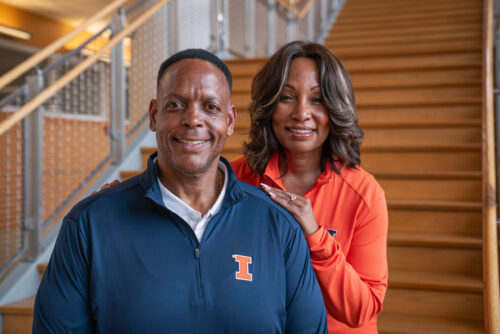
[{"x": 300, "y": 120}]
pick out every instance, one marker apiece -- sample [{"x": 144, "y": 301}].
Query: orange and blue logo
[{"x": 243, "y": 272}]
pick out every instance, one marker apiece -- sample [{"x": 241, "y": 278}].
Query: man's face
[{"x": 192, "y": 116}]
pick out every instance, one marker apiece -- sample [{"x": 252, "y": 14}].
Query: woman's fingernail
[{"x": 265, "y": 185}]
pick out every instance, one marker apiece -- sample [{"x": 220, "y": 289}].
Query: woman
[{"x": 304, "y": 150}]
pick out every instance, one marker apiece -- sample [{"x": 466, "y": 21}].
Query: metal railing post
[
  {"x": 213, "y": 26},
  {"x": 291, "y": 27},
  {"x": 118, "y": 92},
  {"x": 33, "y": 168},
  {"x": 249, "y": 15},
  {"x": 222, "y": 9},
  {"x": 271, "y": 26},
  {"x": 310, "y": 25},
  {"x": 323, "y": 15},
  {"x": 172, "y": 26}
]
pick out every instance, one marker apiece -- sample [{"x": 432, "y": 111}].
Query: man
[{"x": 184, "y": 247}]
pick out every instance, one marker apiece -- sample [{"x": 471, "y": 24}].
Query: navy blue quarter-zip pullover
[{"x": 123, "y": 263}]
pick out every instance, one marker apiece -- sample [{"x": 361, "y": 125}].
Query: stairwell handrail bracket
[
  {"x": 73, "y": 73},
  {"x": 490, "y": 238}
]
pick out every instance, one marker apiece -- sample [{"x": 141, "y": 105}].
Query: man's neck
[{"x": 199, "y": 192}]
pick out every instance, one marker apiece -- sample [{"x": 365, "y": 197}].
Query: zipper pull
[{"x": 196, "y": 253}]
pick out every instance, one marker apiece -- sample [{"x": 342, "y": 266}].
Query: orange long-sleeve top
[{"x": 349, "y": 251}]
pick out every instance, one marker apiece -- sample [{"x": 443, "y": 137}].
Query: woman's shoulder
[
  {"x": 362, "y": 183},
  {"x": 244, "y": 172}
]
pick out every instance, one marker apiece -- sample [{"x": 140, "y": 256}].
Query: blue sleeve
[
  {"x": 306, "y": 312},
  {"x": 61, "y": 304}
]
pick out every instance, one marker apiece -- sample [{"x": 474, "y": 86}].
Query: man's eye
[
  {"x": 212, "y": 107},
  {"x": 174, "y": 106}
]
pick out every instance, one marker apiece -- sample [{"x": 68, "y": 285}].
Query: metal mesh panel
[
  {"x": 317, "y": 20},
  {"x": 280, "y": 27},
  {"x": 11, "y": 190},
  {"x": 302, "y": 28},
  {"x": 148, "y": 51},
  {"x": 76, "y": 137},
  {"x": 193, "y": 24},
  {"x": 237, "y": 27},
  {"x": 261, "y": 28}
]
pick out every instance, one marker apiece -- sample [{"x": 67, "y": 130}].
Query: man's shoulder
[
  {"x": 113, "y": 198},
  {"x": 258, "y": 199}
]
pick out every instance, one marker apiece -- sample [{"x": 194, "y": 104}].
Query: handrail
[
  {"x": 491, "y": 293},
  {"x": 56, "y": 45},
  {"x": 74, "y": 72},
  {"x": 287, "y": 4}
]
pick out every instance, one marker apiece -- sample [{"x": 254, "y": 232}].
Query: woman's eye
[
  {"x": 317, "y": 100},
  {"x": 286, "y": 98}
]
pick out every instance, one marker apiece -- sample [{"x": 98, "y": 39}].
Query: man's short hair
[{"x": 195, "y": 54}]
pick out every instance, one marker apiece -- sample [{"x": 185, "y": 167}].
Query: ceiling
[{"x": 70, "y": 12}]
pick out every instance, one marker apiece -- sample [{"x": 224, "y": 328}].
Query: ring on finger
[{"x": 292, "y": 198}]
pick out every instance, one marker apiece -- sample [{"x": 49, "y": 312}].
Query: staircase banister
[
  {"x": 77, "y": 70},
  {"x": 490, "y": 243},
  {"x": 32, "y": 61}
]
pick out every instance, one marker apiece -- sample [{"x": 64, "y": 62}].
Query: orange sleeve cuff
[{"x": 320, "y": 244}]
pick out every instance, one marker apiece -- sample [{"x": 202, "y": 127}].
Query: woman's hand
[
  {"x": 106, "y": 186},
  {"x": 298, "y": 206}
]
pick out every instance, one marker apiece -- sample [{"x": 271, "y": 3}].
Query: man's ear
[
  {"x": 231, "y": 120},
  {"x": 153, "y": 110}
]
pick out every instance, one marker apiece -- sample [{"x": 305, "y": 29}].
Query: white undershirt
[{"x": 191, "y": 216}]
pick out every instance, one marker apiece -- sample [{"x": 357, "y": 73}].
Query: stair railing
[{"x": 490, "y": 238}]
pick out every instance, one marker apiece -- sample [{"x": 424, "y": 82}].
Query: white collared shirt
[{"x": 191, "y": 216}]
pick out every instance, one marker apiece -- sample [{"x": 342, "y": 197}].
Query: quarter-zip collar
[{"x": 149, "y": 182}]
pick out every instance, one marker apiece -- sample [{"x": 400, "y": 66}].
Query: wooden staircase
[{"x": 416, "y": 71}]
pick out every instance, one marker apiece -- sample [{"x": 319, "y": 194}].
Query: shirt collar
[
  {"x": 272, "y": 172},
  {"x": 180, "y": 208}
]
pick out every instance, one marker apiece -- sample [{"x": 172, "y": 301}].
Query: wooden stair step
[
  {"x": 458, "y": 60},
  {"x": 449, "y": 147},
  {"x": 18, "y": 317},
  {"x": 438, "y": 259},
  {"x": 410, "y": 279},
  {"x": 399, "y": 204},
  {"x": 433, "y": 240},
  {"x": 417, "y": 77},
  {"x": 367, "y": 11},
  {"x": 355, "y": 7},
  {"x": 432, "y": 303},
  {"x": 466, "y": 115},
  {"x": 413, "y": 49},
  {"x": 409, "y": 21},
  {"x": 448, "y": 15},
  {"x": 244, "y": 66},
  {"x": 432, "y": 189},
  {"x": 441, "y": 223},
  {"x": 428, "y": 174},
  {"x": 393, "y": 323},
  {"x": 422, "y": 123},
  {"x": 422, "y": 136},
  {"x": 411, "y": 31}
]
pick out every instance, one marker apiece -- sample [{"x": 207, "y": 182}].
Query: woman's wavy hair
[{"x": 341, "y": 148}]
